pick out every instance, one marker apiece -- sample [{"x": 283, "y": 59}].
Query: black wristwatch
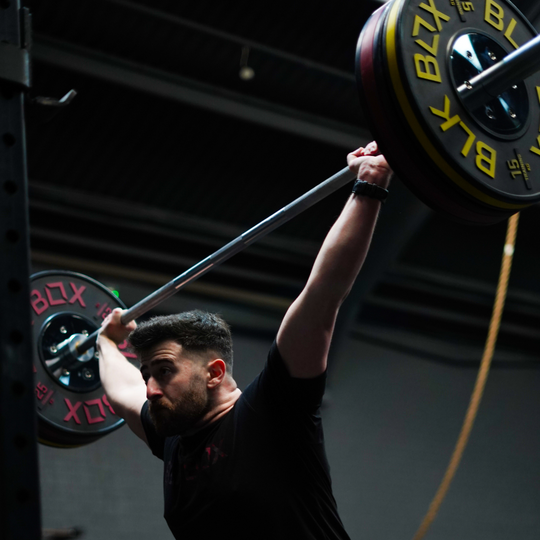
[{"x": 370, "y": 190}]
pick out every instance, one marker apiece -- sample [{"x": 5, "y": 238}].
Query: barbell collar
[{"x": 511, "y": 70}]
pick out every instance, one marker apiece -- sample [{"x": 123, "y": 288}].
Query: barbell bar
[
  {"x": 512, "y": 69},
  {"x": 240, "y": 243}
]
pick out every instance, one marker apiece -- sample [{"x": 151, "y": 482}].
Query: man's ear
[{"x": 216, "y": 371}]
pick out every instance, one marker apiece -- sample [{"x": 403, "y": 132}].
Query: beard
[{"x": 176, "y": 417}]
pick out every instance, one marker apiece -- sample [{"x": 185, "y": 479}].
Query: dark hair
[{"x": 197, "y": 331}]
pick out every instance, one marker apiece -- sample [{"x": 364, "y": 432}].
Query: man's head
[
  {"x": 197, "y": 331},
  {"x": 184, "y": 359}
]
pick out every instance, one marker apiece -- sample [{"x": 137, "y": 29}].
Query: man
[{"x": 248, "y": 465}]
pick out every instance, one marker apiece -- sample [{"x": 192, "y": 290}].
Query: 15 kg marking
[{"x": 518, "y": 167}]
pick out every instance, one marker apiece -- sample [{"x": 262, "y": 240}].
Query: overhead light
[{"x": 246, "y": 72}]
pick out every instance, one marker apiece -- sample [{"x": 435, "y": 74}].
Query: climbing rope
[{"x": 481, "y": 378}]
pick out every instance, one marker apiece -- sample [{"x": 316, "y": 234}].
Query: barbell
[{"x": 452, "y": 95}]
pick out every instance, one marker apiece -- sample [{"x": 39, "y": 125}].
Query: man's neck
[{"x": 221, "y": 404}]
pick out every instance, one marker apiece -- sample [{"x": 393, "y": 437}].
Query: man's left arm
[{"x": 305, "y": 334}]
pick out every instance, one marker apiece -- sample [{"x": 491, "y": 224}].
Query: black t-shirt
[{"x": 258, "y": 473}]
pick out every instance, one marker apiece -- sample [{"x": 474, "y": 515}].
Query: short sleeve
[
  {"x": 275, "y": 388},
  {"x": 155, "y": 442}
]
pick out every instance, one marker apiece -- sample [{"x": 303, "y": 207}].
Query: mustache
[{"x": 156, "y": 406}]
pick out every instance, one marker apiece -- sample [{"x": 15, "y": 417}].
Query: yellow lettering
[
  {"x": 470, "y": 139},
  {"x": 446, "y": 112},
  {"x": 519, "y": 168},
  {"x": 427, "y": 67},
  {"x": 534, "y": 149},
  {"x": 508, "y": 33},
  {"x": 467, "y": 6},
  {"x": 494, "y": 15},
  {"x": 452, "y": 121},
  {"x": 495, "y": 18},
  {"x": 486, "y": 162},
  {"x": 419, "y": 21},
  {"x": 512, "y": 164},
  {"x": 538, "y": 93},
  {"x": 434, "y": 45},
  {"x": 437, "y": 15},
  {"x": 446, "y": 115}
]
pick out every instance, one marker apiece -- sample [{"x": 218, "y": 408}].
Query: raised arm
[
  {"x": 306, "y": 331},
  {"x": 121, "y": 380}
]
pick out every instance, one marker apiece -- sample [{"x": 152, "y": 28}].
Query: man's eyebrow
[{"x": 157, "y": 361}]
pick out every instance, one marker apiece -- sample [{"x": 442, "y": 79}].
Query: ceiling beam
[
  {"x": 174, "y": 226},
  {"x": 177, "y": 21},
  {"x": 174, "y": 87}
]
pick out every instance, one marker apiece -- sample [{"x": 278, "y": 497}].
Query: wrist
[
  {"x": 372, "y": 191},
  {"x": 104, "y": 339}
]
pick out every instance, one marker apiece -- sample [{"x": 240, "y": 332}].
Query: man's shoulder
[{"x": 276, "y": 391}]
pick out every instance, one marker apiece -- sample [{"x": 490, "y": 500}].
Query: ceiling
[{"x": 166, "y": 154}]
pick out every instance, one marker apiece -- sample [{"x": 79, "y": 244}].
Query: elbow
[{"x": 330, "y": 297}]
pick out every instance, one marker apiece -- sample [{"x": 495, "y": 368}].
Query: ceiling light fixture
[{"x": 246, "y": 72}]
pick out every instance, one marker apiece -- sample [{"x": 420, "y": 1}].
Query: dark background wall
[
  {"x": 166, "y": 154},
  {"x": 391, "y": 421}
]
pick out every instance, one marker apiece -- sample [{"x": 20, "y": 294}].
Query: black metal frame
[{"x": 20, "y": 515}]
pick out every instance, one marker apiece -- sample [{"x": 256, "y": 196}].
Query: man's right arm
[{"x": 121, "y": 380}]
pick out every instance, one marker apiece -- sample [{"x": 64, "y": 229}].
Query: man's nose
[{"x": 153, "y": 391}]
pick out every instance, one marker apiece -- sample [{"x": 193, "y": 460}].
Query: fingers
[
  {"x": 114, "y": 316},
  {"x": 372, "y": 149},
  {"x": 370, "y": 165},
  {"x": 359, "y": 152},
  {"x": 113, "y": 328},
  {"x": 354, "y": 158}
]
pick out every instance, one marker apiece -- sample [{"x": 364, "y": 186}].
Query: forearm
[
  {"x": 304, "y": 336},
  {"x": 343, "y": 252},
  {"x": 121, "y": 380}
]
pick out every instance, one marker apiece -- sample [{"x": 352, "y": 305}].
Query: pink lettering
[
  {"x": 72, "y": 411},
  {"x": 58, "y": 285},
  {"x": 101, "y": 308},
  {"x": 39, "y": 300},
  {"x": 107, "y": 404},
  {"x": 78, "y": 294},
  {"x": 122, "y": 348},
  {"x": 218, "y": 453},
  {"x": 41, "y": 390},
  {"x": 89, "y": 417}
]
